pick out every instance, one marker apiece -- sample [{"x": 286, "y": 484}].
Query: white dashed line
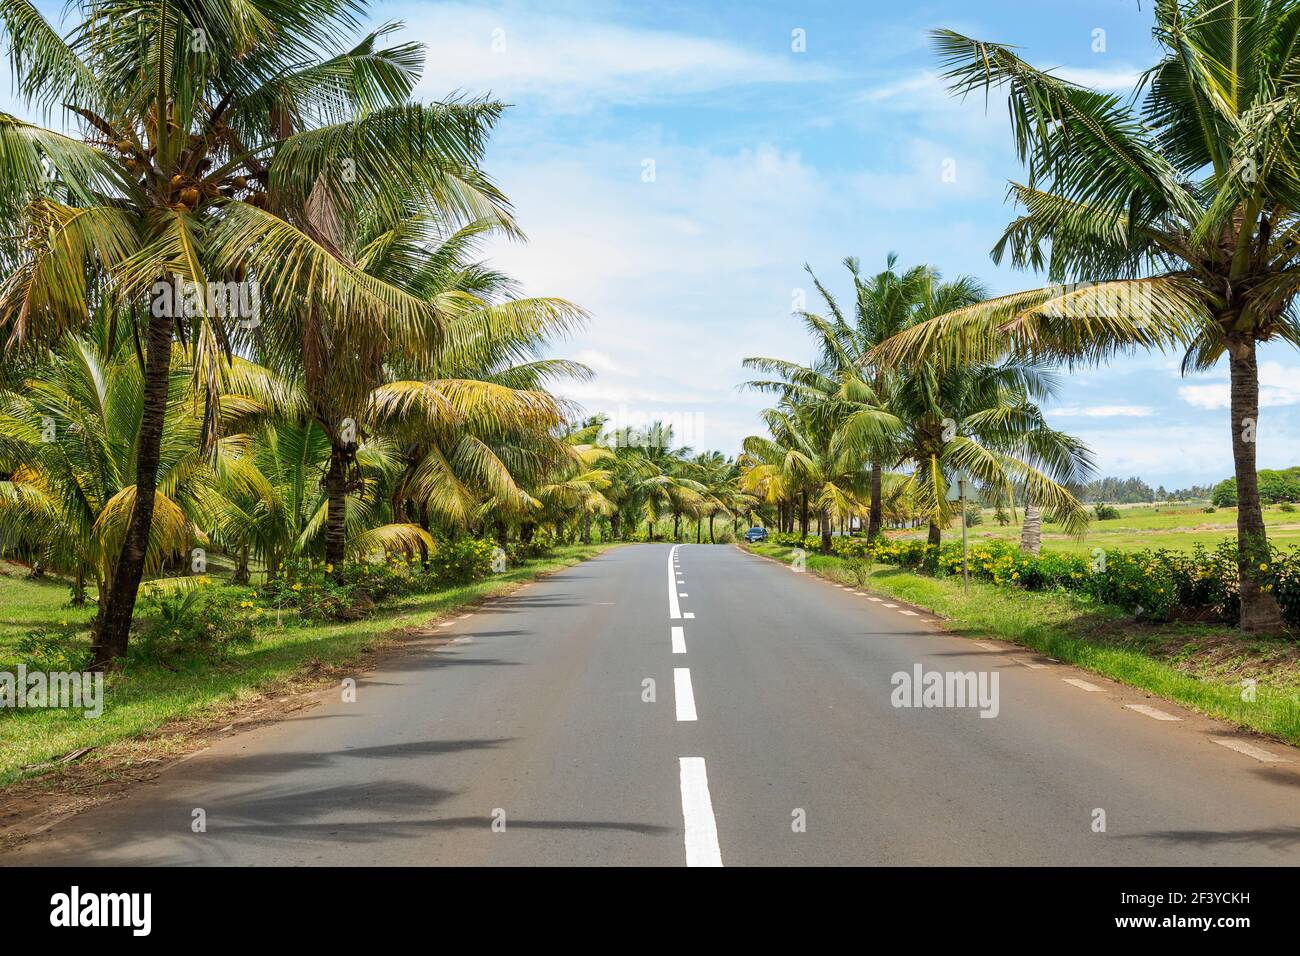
[
  {"x": 1031, "y": 664},
  {"x": 907, "y": 612},
  {"x": 683, "y": 695},
  {"x": 891, "y": 605},
  {"x": 697, "y": 813},
  {"x": 679, "y": 640},
  {"x": 876, "y": 599},
  {"x": 1152, "y": 712},
  {"x": 674, "y": 609},
  {"x": 1083, "y": 685},
  {"x": 689, "y": 615},
  {"x": 987, "y": 646},
  {"x": 446, "y": 623},
  {"x": 1250, "y": 750}
]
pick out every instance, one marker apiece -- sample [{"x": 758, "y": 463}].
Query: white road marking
[
  {"x": 446, "y": 623},
  {"x": 464, "y": 617},
  {"x": 689, "y": 615},
  {"x": 903, "y": 610},
  {"x": 679, "y": 640},
  {"x": 1151, "y": 712},
  {"x": 987, "y": 646},
  {"x": 876, "y": 599},
  {"x": 1083, "y": 685},
  {"x": 683, "y": 695},
  {"x": 1035, "y": 666},
  {"x": 682, "y": 594},
  {"x": 891, "y": 605},
  {"x": 674, "y": 609},
  {"x": 697, "y": 812},
  {"x": 1250, "y": 750}
]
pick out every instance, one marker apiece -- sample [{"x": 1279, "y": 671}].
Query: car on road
[{"x": 756, "y": 534}]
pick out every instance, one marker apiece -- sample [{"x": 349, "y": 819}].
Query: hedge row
[{"x": 1159, "y": 585}]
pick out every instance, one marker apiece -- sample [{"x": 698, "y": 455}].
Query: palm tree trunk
[
  {"x": 677, "y": 520},
  {"x": 615, "y": 520},
  {"x": 1031, "y": 533},
  {"x": 824, "y": 520},
  {"x": 803, "y": 516},
  {"x": 712, "y": 540},
  {"x": 113, "y": 626},
  {"x": 1260, "y": 613},
  {"x": 699, "y": 530},
  {"x": 936, "y": 535},
  {"x": 874, "y": 516},
  {"x": 336, "y": 491}
]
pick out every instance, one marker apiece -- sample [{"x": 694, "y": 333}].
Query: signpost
[{"x": 962, "y": 479}]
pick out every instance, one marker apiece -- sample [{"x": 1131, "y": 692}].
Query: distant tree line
[
  {"x": 1129, "y": 491},
  {"x": 1275, "y": 487}
]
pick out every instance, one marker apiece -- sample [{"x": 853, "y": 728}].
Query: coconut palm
[
  {"x": 270, "y": 503},
  {"x": 803, "y": 456},
  {"x": 67, "y": 441},
  {"x": 218, "y": 143},
  {"x": 883, "y": 305},
  {"x": 1179, "y": 213},
  {"x": 477, "y": 426}
]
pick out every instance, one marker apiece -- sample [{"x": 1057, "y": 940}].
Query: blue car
[{"x": 756, "y": 534}]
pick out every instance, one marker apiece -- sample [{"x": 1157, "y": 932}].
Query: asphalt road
[{"x": 772, "y": 738}]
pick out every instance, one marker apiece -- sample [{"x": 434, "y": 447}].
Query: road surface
[{"x": 772, "y": 737}]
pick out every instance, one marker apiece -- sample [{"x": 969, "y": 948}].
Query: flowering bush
[
  {"x": 1164, "y": 584},
  {"x": 201, "y": 621},
  {"x": 461, "y": 562}
]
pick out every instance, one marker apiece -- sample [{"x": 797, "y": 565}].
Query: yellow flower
[
  {"x": 297, "y": 587},
  {"x": 1263, "y": 567},
  {"x": 329, "y": 569}
]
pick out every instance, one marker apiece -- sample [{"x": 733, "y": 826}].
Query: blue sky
[{"x": 764, "y": 158}]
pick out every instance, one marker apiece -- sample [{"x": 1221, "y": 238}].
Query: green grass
[
  {"x": 144, "y": 698},
  {"x": 1177, "y": 527},
  {"x": 1198, "y": 666}
]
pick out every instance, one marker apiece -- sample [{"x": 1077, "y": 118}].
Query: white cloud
[
  {"x": 1112, "y": 80},
  {"x": 1278, "y": 385},
  {"x": 1102, "y": 411},
  {"x": 570, "y": 61}
]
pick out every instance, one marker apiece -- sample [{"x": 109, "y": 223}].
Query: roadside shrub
[
  {"x": 197, "y": 622},
  {"x": 1105, "y": 512},
  {"x": 1162, "y": 584},
  {"x": 59, "y": 648},
  {"x": 461, "y": 562}
]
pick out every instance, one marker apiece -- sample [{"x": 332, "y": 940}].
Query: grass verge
[
  {"x": 1201, "y": 667},
  {"x": 144, "y": 701}
]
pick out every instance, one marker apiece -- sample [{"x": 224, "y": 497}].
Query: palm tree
[
  {"x": 1181, "y": 216},
  {"x": 979, "y": 418},
  {"x": 478, "y": 428},
  {"x": 270, "y": 502},
  {"x": 67, "y": 441},
  {"x": 804, "y": 454},
  {"x": 217, "y": 144},
  {"x": 650, "y": 476},
  {"x": 883, "y": 305}
]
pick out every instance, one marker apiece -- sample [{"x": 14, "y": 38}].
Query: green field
[{"x": 1177, "y": 527}]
